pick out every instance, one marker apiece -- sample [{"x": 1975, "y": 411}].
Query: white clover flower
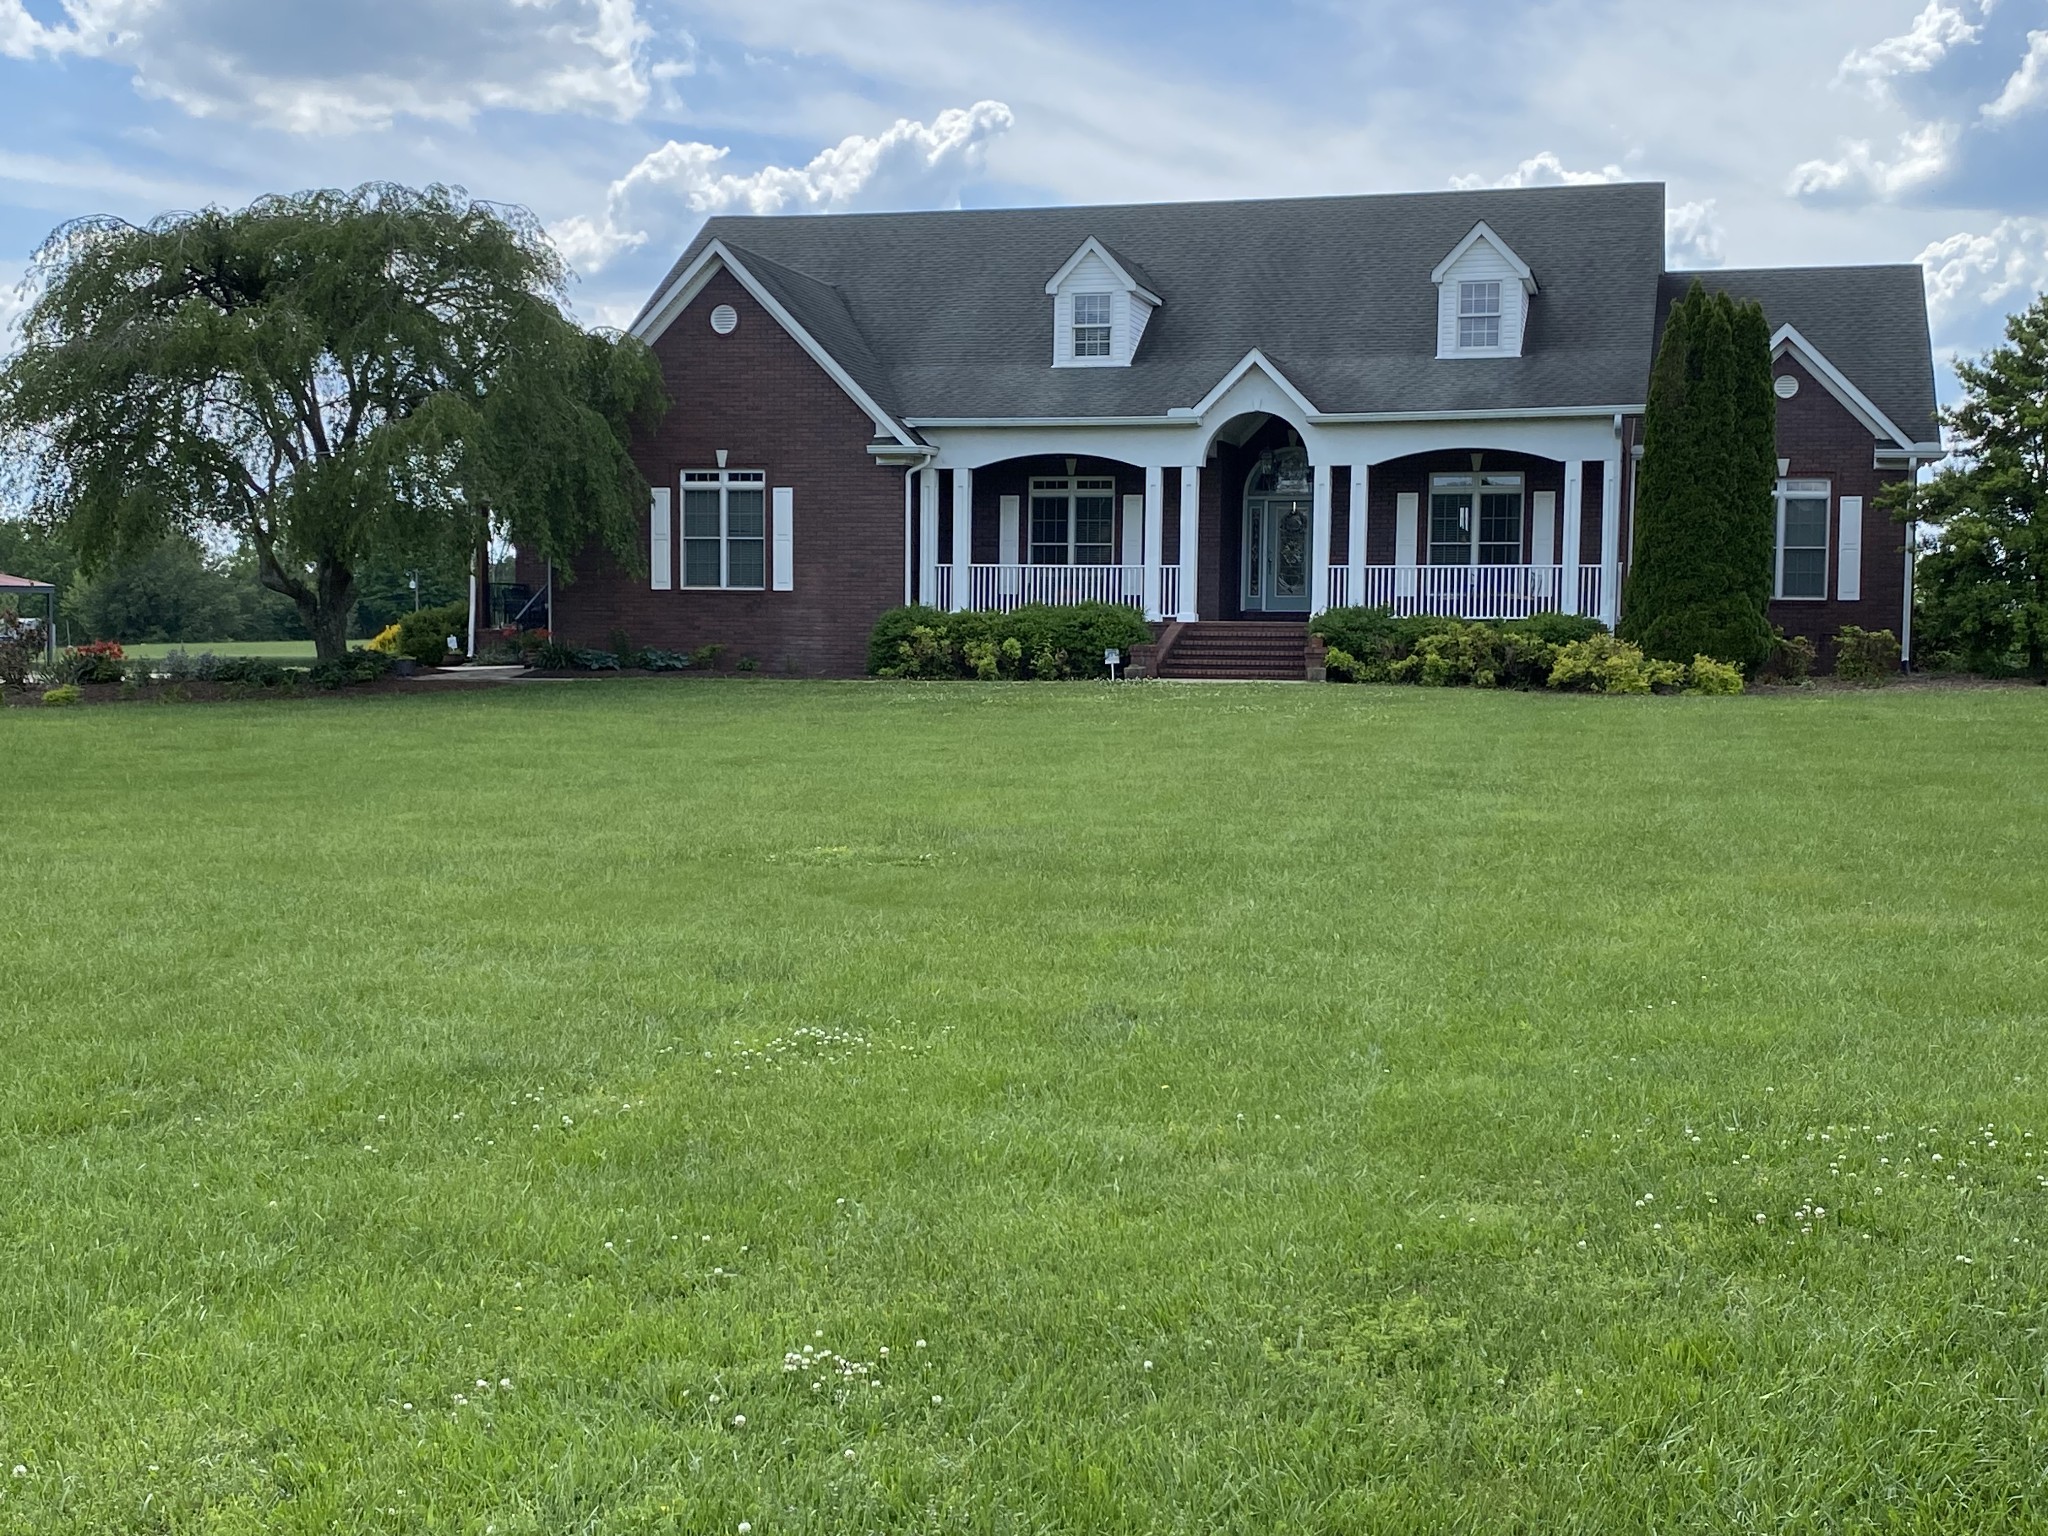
[
  {"x": 20, "y": 1470},
  {"x": 739, "y": 1421},
  {"x": 849, "y": 1455},
  {"x": 937, "y": 1400},
  {"x": 1148, "y": 1365},
  {"x": 920, "y": 1343},
  {"x": 745, "y": 1525}
]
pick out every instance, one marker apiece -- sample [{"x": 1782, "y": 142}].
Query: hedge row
[
  {"x": 1552, "y": 650},
  {"x": 1038, "y": 641}
]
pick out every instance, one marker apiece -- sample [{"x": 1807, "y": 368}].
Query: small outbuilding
[{"x": 19, "y": 587}]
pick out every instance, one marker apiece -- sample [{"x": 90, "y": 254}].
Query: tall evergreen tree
[
  {"x": 1982, "y": 590},
  {"x": 1701, "y": 575}
]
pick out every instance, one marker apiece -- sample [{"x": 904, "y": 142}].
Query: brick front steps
[{"x": 1218, "y": 650}]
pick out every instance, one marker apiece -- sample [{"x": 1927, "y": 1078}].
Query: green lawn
[
  {"x": 274, "y": 650},
  {"x": 1247, "y": 1109}
]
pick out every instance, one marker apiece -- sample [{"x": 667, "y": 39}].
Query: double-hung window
[
  {"x": 1091, "y": 325},
  {"x": 1475, "y": 519},
  {"x": 725, "y": 528},
  {"x": 1803, "y": 538},
  {"x": 1478, "y": 316},
  {"x": 1073, "y": 522}
]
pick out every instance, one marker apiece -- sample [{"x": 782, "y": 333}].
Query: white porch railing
[
  {"x": 999, "y": 588},
  {"x": 1467, "y": 591},
  {"x": 1169, "y": 590}
]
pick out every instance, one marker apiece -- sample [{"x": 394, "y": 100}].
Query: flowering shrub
[
  {"x": 385, "y": 642},
  {"x": 98, "y": 661}
]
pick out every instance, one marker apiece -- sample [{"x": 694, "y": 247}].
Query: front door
[{"x": 1276, "y": 555}]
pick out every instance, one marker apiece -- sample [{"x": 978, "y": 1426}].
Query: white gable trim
[
  {"x": 1482, "y": 231},
  {"x": 1252, "y": 359},
  {"x": 716, "y": 257},
  {"x": 1094, "y": 247},
  {"x": 1837, "y": 384}
]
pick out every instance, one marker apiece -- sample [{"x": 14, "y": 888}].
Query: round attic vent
[
  {"x": 725, "y": 319},
  {"x": 1787, "y": 385}
]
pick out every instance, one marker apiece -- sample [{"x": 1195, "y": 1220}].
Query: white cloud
[
  {"x": 1542, "y": 169},
  {"x": 910, "y": 165},
  {"x": 2004, "y": 269},
  {"x": 1925, "y": 44},
  {"x": 1926, "y": 154},
  {"x": 2028, "y": 86},
  {"x": 22, "y": 36},
  {"x": 336, "y": 68},
  {"x": 1693, "y": 236}
]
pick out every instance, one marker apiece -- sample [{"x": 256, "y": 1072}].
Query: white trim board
[
  {"x": 1252, "y": 359},
  {"x": 1483, "y": 231},
  {"x": 716, "y": 257},
  {"x": 1836, "y": 383},
  {"x": 1094, "y": 247}
]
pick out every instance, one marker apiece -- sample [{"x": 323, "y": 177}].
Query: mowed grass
[
  {"x": 1161, "y": 1109},
  {"x": 270, "y": 650}
]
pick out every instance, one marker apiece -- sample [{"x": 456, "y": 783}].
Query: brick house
[{"x": 1228, "y": 415}]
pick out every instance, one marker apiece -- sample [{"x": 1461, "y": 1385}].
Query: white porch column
[
  {"x": 1319, "y": 544},
  {"x": 1190, "y": 539},
  {"x": 1354, "y": 546},
  {"x": 963, "y": 537},
  {"x": 1574, "y": 520},
  {"x": 1155, "y": 535},
  {"x": 1610, "y": 539},
  {"x": 928, "y": 536}
]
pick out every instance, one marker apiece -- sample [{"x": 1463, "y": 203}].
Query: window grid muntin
[
  {"x": 1479, "y": 315},
  {"x": 1802, "y": 567},
  {"x": 1091, "y": 324},
  {"x": 1073, "y": 521},
  {"x": 725, "y": 530},
  {"x": 1477, "y": 519}
]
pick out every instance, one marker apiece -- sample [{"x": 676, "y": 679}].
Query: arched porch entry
[{"x": 1265, "y": 534}]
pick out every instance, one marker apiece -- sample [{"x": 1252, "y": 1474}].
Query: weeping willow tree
[
  {"x": 331, "y": 378},
  {"x": 1700, "y": 581}
]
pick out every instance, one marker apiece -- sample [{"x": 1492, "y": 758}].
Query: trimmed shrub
[
  {"x": 1604, "y": 664},
  {"x": 424, "y": 635},
  {"x": 1707, "y": 675},
  {"x": 249, "y": 671},
  {"x": 1790, "y": 659},
  {"x": 1866, "y": 655},
  {"x": 1380, "y": 646},
  {"x": 359, "y": 666},
  {"x": 1038, "y": 641},
  {"x": 66, "y": 693}
]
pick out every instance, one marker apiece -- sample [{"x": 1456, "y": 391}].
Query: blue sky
[{"x": 1789, "y": 131}]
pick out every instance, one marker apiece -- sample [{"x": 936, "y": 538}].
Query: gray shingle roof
[
  {"x": 942, "y": 315},
  {"x": 1870, "y": 322}
]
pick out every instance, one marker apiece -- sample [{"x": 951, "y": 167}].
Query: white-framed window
[
  {"x": 725, "y": 528},
  {"x": 1091, "y": 325},
  {"x": 1073, "y": 522},
  {"x": 1478, "y": 315},
  {"x": 1475, "y": 519},
  {"x": 1803, "y": 507}
]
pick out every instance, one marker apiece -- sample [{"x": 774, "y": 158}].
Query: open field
[
  {"x": 1250, "y": 1109},
  {"x": 274, "y": 650}
]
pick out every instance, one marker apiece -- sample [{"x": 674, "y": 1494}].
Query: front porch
[{"x": 1262, "y": 531}]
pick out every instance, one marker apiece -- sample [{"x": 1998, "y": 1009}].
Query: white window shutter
[
  {"x": 661, "y": 564},
  {"x": 785, "y": 539},
  {"x": 1407, "y": 516},
  {"x": 1543, "y": 533},
  {"x": 1134, "y": 530},
  {"x": 1849, "y": 552},
  {"x": 1010, "y": 552}
]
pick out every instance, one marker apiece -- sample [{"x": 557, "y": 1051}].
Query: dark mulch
[{"x": 216, "y": 693}]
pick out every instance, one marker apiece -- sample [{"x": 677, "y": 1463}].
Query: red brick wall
[
  {"x": 759, "y": 396},
  {"x": 1825, "y": 442}
]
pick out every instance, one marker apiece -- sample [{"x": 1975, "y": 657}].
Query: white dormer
[
  {"x": 1483, "y": 293},
  {"x": 1099, "y": 310}
]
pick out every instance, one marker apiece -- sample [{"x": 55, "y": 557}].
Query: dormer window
[
  {"x": 1100, "y": 307},
  {"x": 1091, "y": 324},
  {"x": 1478, "y": 315},
  {"x": 1483, "y": 295}
]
